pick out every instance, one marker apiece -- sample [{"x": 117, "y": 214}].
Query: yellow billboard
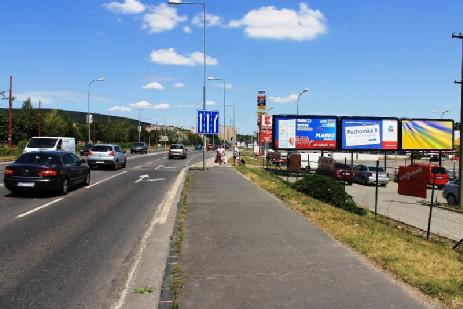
[{"x": 423, "y": 134}]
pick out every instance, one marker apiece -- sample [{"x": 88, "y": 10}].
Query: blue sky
[{"x": 366, "y": 58}]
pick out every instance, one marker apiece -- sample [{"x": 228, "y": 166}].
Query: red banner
[
  {"x": 413, "y": 180},
  {"x": 265, "y": 136}
]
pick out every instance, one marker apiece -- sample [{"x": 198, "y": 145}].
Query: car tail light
[
  {"x": 48, "y": 173},
  {"x": 111, "y": 153},
  {"x": 9, "y": 171},
  {"x": 90, "y": 153}
]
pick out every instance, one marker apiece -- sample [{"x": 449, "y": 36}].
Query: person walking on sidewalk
[{"x": 219, "y": 155}]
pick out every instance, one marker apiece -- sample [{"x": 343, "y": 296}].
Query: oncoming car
[
  {"x": 46, "y": 171},
  {"x": 177, "y": 151}
]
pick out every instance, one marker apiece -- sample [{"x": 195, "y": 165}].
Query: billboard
[
  {"x": 369, "y": 133},
  {"x": 261, "y": 100},
  {"x": 427, "y": 134},
  {"x": 304, "y": 132},
  {"x": 266, "y": 122}
]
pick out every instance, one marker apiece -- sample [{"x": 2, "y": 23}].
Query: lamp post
[
  {"x": 442, "y": 113},
  {"x": 224, "y": 105},
  {"x": 139, "y": 128},
  {"x": 234, "y": 127},
  {"x": 179, "y": 2},
  {"x": 88, "y": 103},
  {"x": 460, "y": 164},
  {"x": 298, "y": 97}
]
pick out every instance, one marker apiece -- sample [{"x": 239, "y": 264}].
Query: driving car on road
[
  {"x": 46, "y": 171},
  {"x": 177, "y": 151},
  {"x": 140, "y": 147},
  {"x": 106, "y": 155},
  {"x": 84, "y": 150},
  {"x": 450, "y": 192},
  {"x": 366, "y": 175},
  {"x": 199, "y": 147}
]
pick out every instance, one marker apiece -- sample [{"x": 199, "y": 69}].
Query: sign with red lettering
[{"x": 413, "y": 180}]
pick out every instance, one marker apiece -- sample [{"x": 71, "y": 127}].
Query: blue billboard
[
  {"x": 369, "y": 133},
  {"x": 304, "y": 132}
]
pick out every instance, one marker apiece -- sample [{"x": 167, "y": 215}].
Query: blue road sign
[{"x": 208, "y": 122}]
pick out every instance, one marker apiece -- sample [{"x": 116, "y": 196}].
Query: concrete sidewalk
[{"x": 245, "y": 249}]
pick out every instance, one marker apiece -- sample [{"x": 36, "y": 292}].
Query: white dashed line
[
  {"x": 40, "y": 207},
  {"x": 97, "y": 183},
  {"x": 159, "y": 167},
  {"x": 137, "y": 166}
]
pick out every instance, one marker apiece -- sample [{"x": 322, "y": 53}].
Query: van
[
  {"x": 45, "y": 143},
  {"x": 438, "y": 173}
]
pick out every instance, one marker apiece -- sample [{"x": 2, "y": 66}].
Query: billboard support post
[
  {"x": 440, "y": 158},
  {"x": 385, "y": 160},
  {"x": 428, "y": 231},
  {"x": 352, "y": 159},
  {"x": 460, "y": 164},
  {"x": 376, "y": 189},
  {"x": 345, "y": 170}
]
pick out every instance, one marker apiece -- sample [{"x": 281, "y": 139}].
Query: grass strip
[
  {"x": 431, "y": 266},
  {"x": 177, "y": 280}
]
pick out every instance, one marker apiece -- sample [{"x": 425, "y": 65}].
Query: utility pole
[
  {"x": 39, "y": 119},
  {"x": 460, "y": 163},
  {"x": 10, "y": 114}
]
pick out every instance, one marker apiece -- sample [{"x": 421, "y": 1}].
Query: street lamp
[
  {"x": 442, "y": 113},
  {"x": 224, "y": 121},
  {"x": 460, "y": 164},
  {"x": 88, "y": 103},
  {"x": 179, "y": 2},
  {"x": 234, "y": 127},
  {"x": 299, "y": 96}
]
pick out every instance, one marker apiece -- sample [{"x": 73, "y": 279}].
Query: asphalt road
[{"x": 75, "y": 251}]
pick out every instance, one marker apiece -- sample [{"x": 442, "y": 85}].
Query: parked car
[
  {"x": 177, "y": 151},
  {"x": 452, "y": 175},
  {"x": 339, "y": 171},
  {"x": 437, "y": 173},
  {"x": 84, "y": 150},
  {"x": 450, "y": 192},
  {"x": 210, "y": 147},
  {"x": 366, "y": 175},
  {"x": 46, "y": 171},
  {"x": 45, "y": 143},
  {"x": 141, "y": 147},
  {"x": 199, "y": 147},
  {"x": 106, "y": 155}
]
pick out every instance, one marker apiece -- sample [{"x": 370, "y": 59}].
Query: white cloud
[
  {"x": 170, "y": 56},
  {"x": 271, "y": 23},
  {"x": 120, "y": 109},
  {"x": 147, "y": 105},
  {"x": 162, "y": 18},
  {"x": 161, "y": 106},
  {"x": 290, "y": 98},
  {"x": 153, "y": 85},
  {"x": 126, "y": 7},
  {"x": 186, "y": 29},
  {"x": 227, "y": 86},
  {"x": 179, "y": 85},
  {"x": 141, "y": 105},
  {"x": 210, "y": 102},
  {"x": 211, "y": 20}
]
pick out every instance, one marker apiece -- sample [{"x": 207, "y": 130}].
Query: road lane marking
[
  {"x": 141, "y": 178},
  {"x": 38, "y": 208},
  {"x": 97, "y": 183},
  {"x": 160, "y": 217},
  {"x": 155, "y": 179},
  {"x": 159, "y": 167},
  {"x": 137, "y": 166},
  {"x": 1, "y": 184}
]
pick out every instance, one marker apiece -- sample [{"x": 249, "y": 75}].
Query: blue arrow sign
[{"x": 208, "y": 122}]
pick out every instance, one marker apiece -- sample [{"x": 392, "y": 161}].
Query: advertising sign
[
  {"x": 413, "y": 180},
  {"x": 369, "y": 133},
  {"x": 265, "y": 136},
  {"x": 427, "y": 134},
  {"x": 261, "y": 100},
  {"x": 266, "y": 122},
  {"x": 304, "y": 132}
]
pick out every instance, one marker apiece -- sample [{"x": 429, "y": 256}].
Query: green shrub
[{"x": 328, "y": 190}]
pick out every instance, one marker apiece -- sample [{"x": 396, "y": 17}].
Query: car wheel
[
  {"x": 125, "y": 164},
  {"x": 451, "y": 199},
  {"x": 64, "y": 186},
  {"x": 114, "y": 167},
  {"x": 87, "y": 179}
]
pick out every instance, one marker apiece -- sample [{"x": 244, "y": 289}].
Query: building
[{"x": 229, "y": 133}]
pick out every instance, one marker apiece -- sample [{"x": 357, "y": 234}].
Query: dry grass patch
[{"x": 432, "y": 266}]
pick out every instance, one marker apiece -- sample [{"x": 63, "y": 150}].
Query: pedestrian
[
  {"x": 223, "y": 156},
  {"x": 236, "y": 153},
  {"x": 218, "y": 156}
]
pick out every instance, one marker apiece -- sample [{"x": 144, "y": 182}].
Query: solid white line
[
  {"x": 160, "y": 216},
  {"x": 38, "y": 208},
  {"x": 97, "y": 183},
  {"x": 159, "y": 167}
]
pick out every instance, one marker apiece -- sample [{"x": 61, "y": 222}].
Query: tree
[
  {"x": 25, "y": 122},
  {"x": 54, "y": 124}
]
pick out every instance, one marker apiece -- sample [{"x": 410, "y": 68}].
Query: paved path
[{"x": 245, "y": 249}]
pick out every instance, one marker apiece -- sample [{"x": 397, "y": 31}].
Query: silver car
[
  {"x": 177, "y": 151},
  {"x": 450, "y": 192},
  {"x": 366, "y": 175},
  {"x": 106, "y": 155}
]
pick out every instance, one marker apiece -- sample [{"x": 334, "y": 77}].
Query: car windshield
[
  {"x": 373, "y": 169},
  {"x": 39, "y": 158},
  {"x": 176, "y": 146},
  {"x": 438, "y": 170},
  {"x": 138, "y": 145},
  {"x": 101, "y": 148},
  {"x": 42, "y": 143}
]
